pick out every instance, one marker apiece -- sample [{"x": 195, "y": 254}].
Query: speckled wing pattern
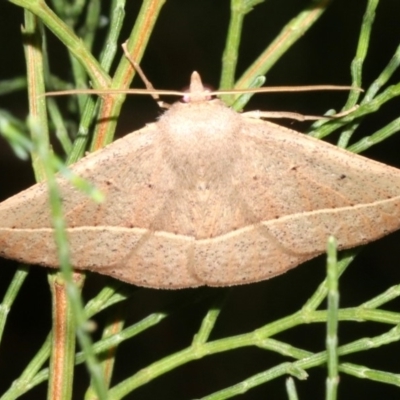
[{"x": 206, "y": 196}]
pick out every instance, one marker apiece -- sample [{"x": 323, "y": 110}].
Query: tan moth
[{"x": 207, "y": 196}]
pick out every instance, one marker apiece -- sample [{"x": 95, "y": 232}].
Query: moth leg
[{"x": 257, "y": 114}]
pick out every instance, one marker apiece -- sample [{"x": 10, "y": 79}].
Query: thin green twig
[
  {"x": 110, "y": 106},
  {"x": 332, "y": 381},
  {"x": 210, "y": 319},
  {"x": 35, "y": 74},
  {"x": 99, "y": 77},
  {"x": 290, "y": 33},
  {"x": 63, "y": 341},
  {"x": 11, "y": 294},
  {"x": 117, "y": 14},
  {"x": 239, "y": 9},
  {"x": 291, "y": 389},
  {"x": 12, "y": 85}
]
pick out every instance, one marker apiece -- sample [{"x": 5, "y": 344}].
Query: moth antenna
[
  {"x": 148, "y": 84},
  {"x": 155, "y": 92},
  {"x": 275, "y": 89}
]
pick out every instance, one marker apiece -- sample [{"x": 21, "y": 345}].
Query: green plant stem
[
  {"x": 131, "y": 331},
  {"x": 210, "y": 319},
  {"x": 29, "y": 377},
  {"x": 114, "y": 326},
  {"x": 110, "y": 106},
  {"x": 239, "y": 8},
  {"x": 108, "y": 296},
  {"x": 356, "y": 73},
  {"x": 30, "y": 380},
  {"x": 357, "y": 65},
  {"x": 92, "y": 23},
  {"x": 12, "y": 292},
  {"x": 230, "y": 54},
  {"x": 292, "y": 32},
  {"x": 258, "y": 379},
  {"x": 383, "y": 77},
  {"x": 291, "y": 389},
  {"x": 16, "y": 133},
  {"x": 63, "y": 339},
  {"x": 308, "y": 360},
  {"x": 390, "y": 93},
  {"x": 12, "y": 85},
  {"x": 361, "y": 52},
  {"x": 241, "y": 101},
  {"x": 383, "y": 298},
  {"x": 117, "y": 14},
  {"x": 351, "y": 314},
  {"x": 332, "y": 381},
  {"x": 68, "y": 38},
  {"x": 320, "y": 294},
  {"x": 70, "y": 10},
  {"x": 260, "y": 338},
  {"x": 37, "y": 105},
  {"x": 371, "y": 374},
  {"x": 86, "y": 33},
  {"x": 379, "y": 136},
  {"x": 58, "y": 121}
]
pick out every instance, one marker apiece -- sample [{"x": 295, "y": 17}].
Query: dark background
[{"x": 189, "y": 36}]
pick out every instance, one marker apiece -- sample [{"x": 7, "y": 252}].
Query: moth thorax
[{"x": 200, "y": 138}]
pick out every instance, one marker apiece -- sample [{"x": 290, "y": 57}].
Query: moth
[{"x": 207, "y": 196}]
